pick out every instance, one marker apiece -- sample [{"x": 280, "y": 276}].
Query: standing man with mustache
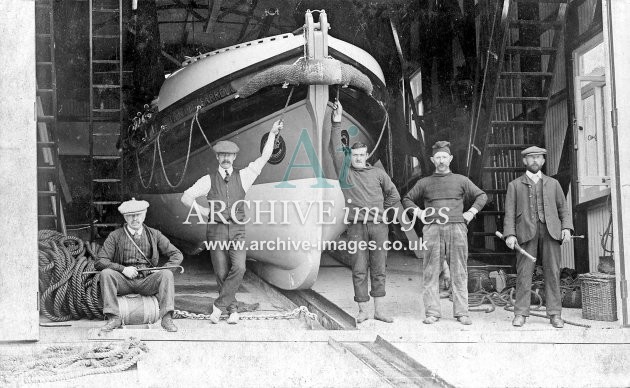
[
  {"x": 225, "y": 189},
  {"x": 438, "y": 200},
  {"x": 537, "y": 215},
  {"x": 369, "y": 191}
]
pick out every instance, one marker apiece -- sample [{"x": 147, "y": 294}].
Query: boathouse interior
[
  {"x": 83, "y": 124},
  {"x": 458, "y": 70}
]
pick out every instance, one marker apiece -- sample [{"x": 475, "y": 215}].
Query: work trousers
[
  {"x": 160, "y": 283},
  {"x": 447, "y": 241},
  {"x": 364, "y": 258},
  {"x": 549, "y": 248},
  {"x": 228, "y": 264}
]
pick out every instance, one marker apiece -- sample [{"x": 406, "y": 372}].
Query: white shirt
[
  {"x": 534, "y": 177},
  {"x": 133, "y": 232},
  {"x": 248, "y": 175}
]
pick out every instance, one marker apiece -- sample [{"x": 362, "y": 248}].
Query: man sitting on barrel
[{"x": 130, "y": 248}]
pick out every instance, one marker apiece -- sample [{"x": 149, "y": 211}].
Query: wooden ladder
[
  {"x": 511, "y": 111},
  {"x": 49, "y": 207},
  {"x": 106, "y": 115}
]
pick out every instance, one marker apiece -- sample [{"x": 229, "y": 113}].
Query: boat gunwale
[{"x": 225, "y": 81}]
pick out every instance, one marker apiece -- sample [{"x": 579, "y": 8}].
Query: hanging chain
[{"x": 295, "y": 314}]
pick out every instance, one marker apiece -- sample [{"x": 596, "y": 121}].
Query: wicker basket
[{"x": 599, "y": 301}]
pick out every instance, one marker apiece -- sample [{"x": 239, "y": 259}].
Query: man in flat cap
[
  {"x": 368, "y": 191},
  {"x": 537, "y": 217},
  {"x": 224, "y": 189},
  {"x": 438, "y": 200},
  {"x": 127, "y": 249}
]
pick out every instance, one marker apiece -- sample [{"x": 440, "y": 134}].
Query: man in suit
[
  {"x": 537, "y": 217},
  {"x": 127, "y": 249}
]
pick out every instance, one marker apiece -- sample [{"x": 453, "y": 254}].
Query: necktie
[{"x": 227, "y": 176}]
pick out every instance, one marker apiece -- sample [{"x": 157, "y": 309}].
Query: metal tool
[
  {"x": 517, "y": 247},
  {"x": 143, "y": 269},
  {"x": 580, "y": 236}
]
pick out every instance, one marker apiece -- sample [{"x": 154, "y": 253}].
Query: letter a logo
[{"x": 313, "y": 164}]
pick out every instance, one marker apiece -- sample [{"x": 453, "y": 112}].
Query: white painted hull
[{"x": 307, "y": 118}]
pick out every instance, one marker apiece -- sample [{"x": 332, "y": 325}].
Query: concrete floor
[
  {"x": 491, "y": 352},
  {"x": 283, "y": 353}
]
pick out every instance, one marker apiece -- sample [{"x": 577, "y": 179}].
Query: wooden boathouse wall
[
  {"x": 584, "y": 21},
  {"x": 557, "y": 121}
]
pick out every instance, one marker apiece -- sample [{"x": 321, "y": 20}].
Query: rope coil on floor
[
  {"x": 58, "y": 363},
  {"x": 66, "y": 293}
]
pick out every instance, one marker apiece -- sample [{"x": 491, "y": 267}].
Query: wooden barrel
[{"x": 138, "y": 309}]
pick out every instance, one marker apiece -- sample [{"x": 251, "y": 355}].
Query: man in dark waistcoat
[
  {"x": 225, "y": 190},
  {"x": 127, "y": 249},
  {"x": 537, "y": 216}
]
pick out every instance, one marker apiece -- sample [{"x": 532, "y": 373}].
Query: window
[{"x": 591, "y": 116}]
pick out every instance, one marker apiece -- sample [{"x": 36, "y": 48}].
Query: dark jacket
[
  {"x": 111, "y": 254},
  {"x": 519, "y": 219}
]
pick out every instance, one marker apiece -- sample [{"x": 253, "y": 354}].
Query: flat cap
[
  {"x": 225, "y": 147},
  {"x": 441, "y": 146},
  {"x": 533, "y": 150},
  {"x": 133, "y": 206}
]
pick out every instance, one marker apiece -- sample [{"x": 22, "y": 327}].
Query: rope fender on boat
[{"x": 327, "y": 71}]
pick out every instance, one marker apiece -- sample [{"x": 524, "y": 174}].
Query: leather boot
[
  {"x": 556, "y": 321},
  {"x": 167, "y": 323},
  {"x": 363, "y": 314},
  {"x": 379, "y": 310},
  {"x": 113, "y": 322},
  {"x": 519, "y": 320}
]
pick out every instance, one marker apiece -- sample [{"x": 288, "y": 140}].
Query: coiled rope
[
  {"x": 506, "y": 300},
  {"x": 58, "y": 363},
  {"x": 66, "y": 293}
]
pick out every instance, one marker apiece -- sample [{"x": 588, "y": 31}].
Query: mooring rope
[
  {"x": 65, "y": 292},
  {"x": 58, "y": 363}
]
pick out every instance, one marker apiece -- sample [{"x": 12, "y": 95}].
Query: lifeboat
[{"x": 236, "y": 93}]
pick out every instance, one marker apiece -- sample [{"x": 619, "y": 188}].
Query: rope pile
[
  {"x": 65, "y": 292},
  {"x": 63, "y": 362}
]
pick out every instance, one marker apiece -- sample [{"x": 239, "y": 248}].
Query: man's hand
[
  {"x": 277, "y": 126},
  {"x": 468, "y": 216},
  {"x": 566, "y": 235},
  {"x": 510, "y": 242},
  {"x": 204, "y": 211},
  {"x": 130, "y": 272},
  {"x": 337, "y": 112}
]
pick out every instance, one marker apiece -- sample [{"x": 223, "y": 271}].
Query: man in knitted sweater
[
  {"x": 438, "y": 201},
  {"x": 368, "y": 191},
  {"x": 127, "y": 249}
]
